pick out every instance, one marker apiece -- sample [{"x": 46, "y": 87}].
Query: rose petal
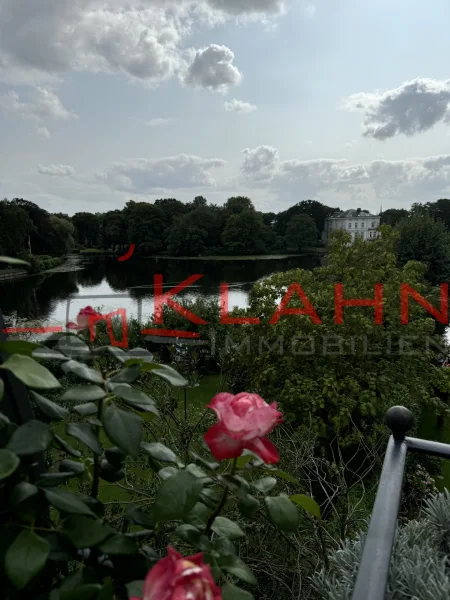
[
  {"x": 264, "y": 448},
  {"x": 72, "y": 325},
  {"x": 222, "y": 446},
  {"x": 220, "y": 402}
]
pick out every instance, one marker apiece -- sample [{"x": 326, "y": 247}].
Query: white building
[{"x": 359, "y": 223}]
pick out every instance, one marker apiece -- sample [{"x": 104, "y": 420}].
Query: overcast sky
[{"x": 346, "y": 102}]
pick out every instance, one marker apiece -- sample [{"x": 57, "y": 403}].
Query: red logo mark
[{"x": 128, "y": 254}]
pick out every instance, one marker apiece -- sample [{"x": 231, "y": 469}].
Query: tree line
[{"x": 196, "y": 228}]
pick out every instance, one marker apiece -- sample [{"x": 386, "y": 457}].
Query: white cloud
[
  {"x": 260, "y": 163},
  {"x": 351, "y": 144},
  {"x": 175, "y": 172},
  {"x": 310, "y": 10},
  {"x": 290, "y": 179},
  {"x": 56, "y": 170},
  {"x": 414, "y": 107},
  {"x": 239, "y": 106},
  {"x": 44, "y": 105},
  {"x": 158, "y": 121},
  {"x": 212, "y": 68},
  {"x": 43, "y": 132},
  {"x": 143, "y": 40}
]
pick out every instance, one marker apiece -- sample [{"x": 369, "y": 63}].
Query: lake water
[{"x": 41, "y": 300}]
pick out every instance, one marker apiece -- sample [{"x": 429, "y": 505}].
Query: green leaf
[
  {"x": 282, "y": 513},
  {"x": 159, "y": 452},
  {"x": 141, "y": 353},
  {"x": 124, "y": 428},
  {"x": 73, "y": 347},
  {"x": 285, "y": 476},
  {"x": 53, "y": 411},
  {"x": 85, "y": 434},
  {"x": 118, "y": 353},
  {"x": 194, "y": 537},
  {"x": 227, "y": 528},
  {"x": 167, "y": 373},
  {"x": 264, "y": 485},
  {"x": 85, "y": 532},
  {"x": 128, "y": 393},
  {"x": 231, "y": 592},
  {"x": 67, "y": 502},
  {"x": 176, "y": 497},
  {"x": 23, "y": 501},
  {"x": 110, "y": 473},
  {"x": 135, "y": 589},
  {"x": 237, "y": 567},
  {"x": 66, "y": 447},
  {"x": 94, "y": 421},
  {"x": 243, "y": 460},
  {"x": 210, "y": 465},
  {"x": 118, "y": 544},
  {"x": 30, "y": 438},
  {"x": 85, "y": 410},
  {"x": 71, "y": 466},
  {"x": 199, "y": 516},
  {"x": 137, "y": 516},
  {"x": 8, "y": 463},
  {"x": 167, "y": 472},
  {"x": 248, "y": 505},
  {"x": 2, "y": 389},
  {"x": 308, "y": 503},
  {"x": 83, "y": 371},
  {"x": 18, "y": 347},
  {"x": 30, "y": 372},
  {"x": 13, "y": 261},
  {"x": 127, "y": 375},
  {"x": 43, "y": 353},
  {"x": 25, "y": 558},
  {"x": 86, "y": 393},
  {"x": 236, "y": 484}
]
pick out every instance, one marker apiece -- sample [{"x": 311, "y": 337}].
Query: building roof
[{"x": 352, "y": 214}]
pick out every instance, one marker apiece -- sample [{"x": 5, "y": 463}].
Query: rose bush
[
  {"x": 244, "y": 420},
  {"x": 61, "y": 540}
]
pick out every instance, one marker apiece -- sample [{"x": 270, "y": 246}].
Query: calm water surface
[{"x": 43, "y": 298}]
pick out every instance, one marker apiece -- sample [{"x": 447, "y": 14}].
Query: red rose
[
  {"x": 178, "y": 578},
  {"x": 83, "y": 318},
  {"x": 244, "y": 420}
]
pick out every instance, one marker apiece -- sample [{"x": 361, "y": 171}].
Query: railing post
[{"x": 373, "y": 573}]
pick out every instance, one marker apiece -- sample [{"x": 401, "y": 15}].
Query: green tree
[
  {"x": 15, "y": 225},
  {"x": 339, "y": 379},
  {"x": 393, "y": 215},
  {"x": 87, "y": 229},
  {"x": 441, "y": 210},
  {"x": 63, "y": 232},
  {"x": 196, "y": 233},
  {"x": 301, "y": 232},
  {"x": 244, "y": 233},
  {"x": 42, "y": 233},
  {"x": 317, "y": 211},
  {"x": 423, "y": 239},
  {"x": 146, "y": 227},
  {"x": 238, "y": 204},
  {"x": 114, "y": 230}
]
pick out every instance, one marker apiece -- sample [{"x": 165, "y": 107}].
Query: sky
[{"x": 103, "y": 101}]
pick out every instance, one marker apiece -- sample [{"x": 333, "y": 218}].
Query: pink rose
[
  {"x": 244, "y": 420},
  {"x": 83, "y": 318},
  {"x": 178, "y": 578}
]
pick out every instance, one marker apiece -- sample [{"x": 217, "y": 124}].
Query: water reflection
[{"x": 44, "y": 297}]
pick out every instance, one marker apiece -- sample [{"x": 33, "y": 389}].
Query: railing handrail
[{"x": 373, "y": 573}]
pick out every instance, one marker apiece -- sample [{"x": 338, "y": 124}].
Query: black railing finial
[{"x": 399, "y": 420}]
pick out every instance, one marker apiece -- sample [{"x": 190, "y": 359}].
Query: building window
[
  {"x": 356, "y": 225},
  {"x": 362, "y": 224},
  {"x": 349, "y": 225},
  {"x": 373, "y": 223}
]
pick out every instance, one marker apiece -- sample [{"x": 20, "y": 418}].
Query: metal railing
[{"x": 373, "y": 572}]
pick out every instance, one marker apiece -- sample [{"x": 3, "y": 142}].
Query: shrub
[{"x": 419, "y": 565}]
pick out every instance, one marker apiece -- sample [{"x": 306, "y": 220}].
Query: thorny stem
[{"x": 222, "y": 502}]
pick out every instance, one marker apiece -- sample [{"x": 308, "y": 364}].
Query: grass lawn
[{"x": 430, "y": 431}]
